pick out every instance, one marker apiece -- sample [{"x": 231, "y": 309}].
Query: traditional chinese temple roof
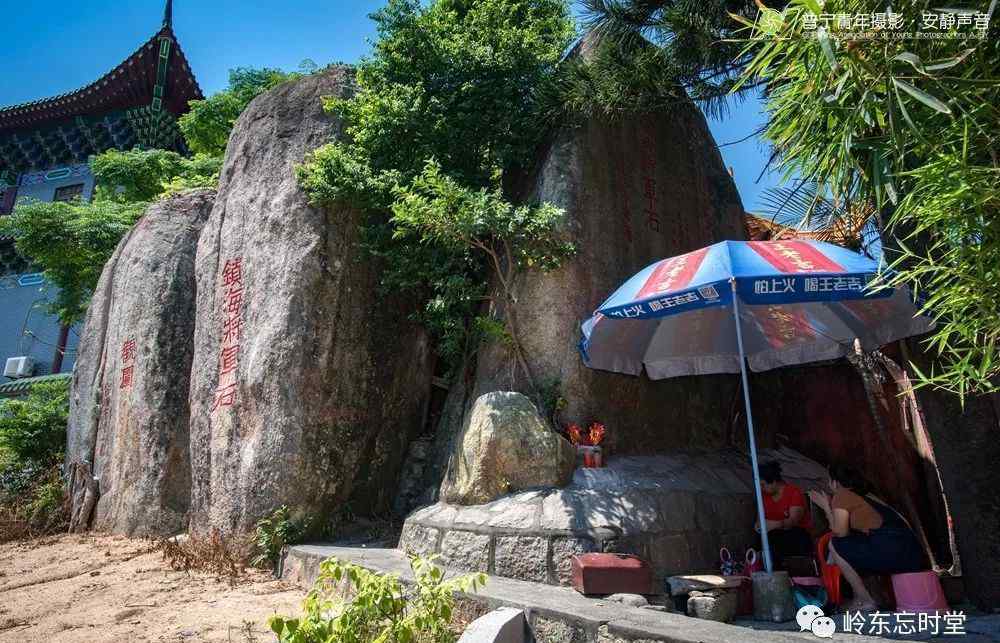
[
  {"x": 17, "y": 388},
  {"x": 136, "y": 103},
  {"x": 761, "y": 229},
  {"x": 847, "y": 231}
]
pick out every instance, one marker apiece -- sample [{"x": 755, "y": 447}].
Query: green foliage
[
  {"x": 456, "y": 81},
  {"x": 71, "y": 241},
  {"x": 37, "y": 507},
  {"x": 33, "y": 428},
  {"x": 911, "y": 127},
  {"x": 617, "y": 79},
  {"x": 668, "y": 43},
  {"x": 382, "y": 608},
  {"x": 453, "y": 96},
  {"x": 144, "y": 175},
  {"x": 32, "y": 438},
  {"x": 207, "y": 125},
  {"x": 439, "y": 209},
  {"x": 276, "y": 531},
  {"x": 47, "y": 497}
]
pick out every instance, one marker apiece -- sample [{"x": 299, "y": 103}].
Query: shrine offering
[{"x": 587, "y": 443}]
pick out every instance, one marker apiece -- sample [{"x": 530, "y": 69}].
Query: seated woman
[
  {"x": 786, "y": 515},
  {"x": 869, "y": 537}
]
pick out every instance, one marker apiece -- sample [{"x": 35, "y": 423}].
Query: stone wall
[{"x": 674, "y": 511}]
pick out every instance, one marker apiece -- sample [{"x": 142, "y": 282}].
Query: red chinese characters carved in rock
[
  {"x": 647, "y": 154},
  {"x": 232, "y": 331},
  {"x": 128, "y": 363}
]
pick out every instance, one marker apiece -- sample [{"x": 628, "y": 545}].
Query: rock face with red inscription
[
  {"x": 634, "y": 191},
  {"x": 306, "y": 386},
  {"x": 128, "y": 409}
]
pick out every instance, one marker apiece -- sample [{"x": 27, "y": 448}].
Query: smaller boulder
[
  {"x": 505, "y": 446},
  {"x": 715, "y": 605},
  {"x": 629, "y": 600}
]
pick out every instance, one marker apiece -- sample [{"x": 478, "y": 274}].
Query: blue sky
[{"x": 47, "y": 51}]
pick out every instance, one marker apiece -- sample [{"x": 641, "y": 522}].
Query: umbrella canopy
[
  {"x": 799, "y": 301},
  {"x": 769, "y": 303}
]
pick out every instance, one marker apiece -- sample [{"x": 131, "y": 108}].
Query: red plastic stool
[
  {"x": 829, "y": 573},
  {"x": 918, "y": 592}
]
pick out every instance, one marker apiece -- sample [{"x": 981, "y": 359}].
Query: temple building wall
[
  {"x": 49, "y": 184},
  {"x": 27, "y": 327}
]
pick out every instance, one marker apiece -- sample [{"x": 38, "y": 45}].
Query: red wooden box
[{"x": 611, "y": 574}]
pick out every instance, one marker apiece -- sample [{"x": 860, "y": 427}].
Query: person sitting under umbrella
[
  {"x": 869, "y": 537},
  {"x": 786, "y": 515}
]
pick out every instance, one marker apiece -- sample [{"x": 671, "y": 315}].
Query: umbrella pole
[{"x": 765, "y": 545}]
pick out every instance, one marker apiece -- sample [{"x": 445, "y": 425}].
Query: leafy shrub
[
  {"x": 32, "y": 438},
  {"x": 449, "y": 101},
  {"x": 37, "y": 508},
  {"x": 381, "y": 608},
  {"x": 33, "y": 429},
  {"x": 276, "y": 531}
]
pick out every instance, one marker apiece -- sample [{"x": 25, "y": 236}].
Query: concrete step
[{"x": 556, "y": 614}]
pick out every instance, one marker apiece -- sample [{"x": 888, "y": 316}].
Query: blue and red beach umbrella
[{"x": 795, "y": 302}]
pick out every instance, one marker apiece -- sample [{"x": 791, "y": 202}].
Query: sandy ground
[{"x": 84, "y": 588}]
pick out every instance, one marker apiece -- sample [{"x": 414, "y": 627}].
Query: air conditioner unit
[{"x": 18, "y": 367}]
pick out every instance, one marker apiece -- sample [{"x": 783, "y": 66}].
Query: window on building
[
  {"x": 69, "y": 192},
  {"x": 7, "y": 200}
]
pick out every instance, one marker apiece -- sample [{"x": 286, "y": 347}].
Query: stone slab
[
  {"x": 504, "y": 625},
  {"x": 685, "y": 584},
  {"x": 593, "y": 620}
]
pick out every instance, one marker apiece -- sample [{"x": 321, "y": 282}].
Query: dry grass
[
  {"x": 224, "y": 557},
  {"x": 41, "y": 510}
]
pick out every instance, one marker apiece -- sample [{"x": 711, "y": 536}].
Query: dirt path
[{"x": 84, "y": 588}]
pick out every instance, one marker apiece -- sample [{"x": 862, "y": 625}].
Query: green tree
[
  {"x": 207, "y": 125},
  {"x": 435, "y": 208},
  {"x": 71, "y": 242},
  {"x": 144, "y": 175},
  {"x": 651, "y": 47},
  {"x": 453, "y": 96},
  {"x": 911, "y": 127}
]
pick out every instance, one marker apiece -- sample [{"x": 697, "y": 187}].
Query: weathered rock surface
[
  {"x": 306, "y": 389},
  {"x": 128, "y": 410},
  {"x": 716, "y": 605},
  {"x": 505, "y": 446},
  {"x": 634, "y": 191}
]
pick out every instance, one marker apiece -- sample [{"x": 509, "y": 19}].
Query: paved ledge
[{"x": 559, "y": 614}]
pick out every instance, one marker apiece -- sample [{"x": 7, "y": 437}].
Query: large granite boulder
[
  {"x": 635, "y": 190},
  {"x": 505, "y": 446},
  {"x": 128, "y": 409},
  {"x": 307, "y": 386}
]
